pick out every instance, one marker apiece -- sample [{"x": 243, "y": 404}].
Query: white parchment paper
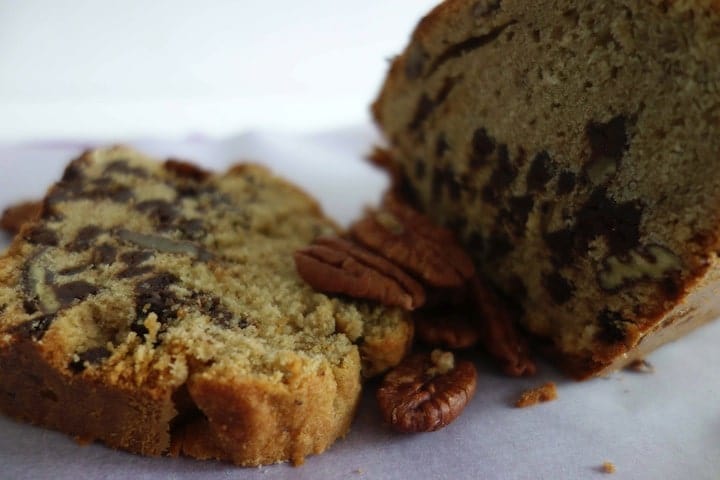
[{"x": 662, "y": 425}]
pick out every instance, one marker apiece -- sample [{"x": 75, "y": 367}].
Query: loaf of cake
[
  {"x": 573, "y": 146},
  {"x": 155, "y": 307}
]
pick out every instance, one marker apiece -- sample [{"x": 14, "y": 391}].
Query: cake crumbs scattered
[
  {"x": 608, "y": 467},
  {"x": 640, "y": 366},
  {"x": 533, "y": 396}
]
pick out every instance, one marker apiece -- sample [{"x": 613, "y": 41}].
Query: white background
[{"x": 103, "y": 68}]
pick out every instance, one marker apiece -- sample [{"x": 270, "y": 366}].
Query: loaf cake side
[
  {"x": 572, "y": 146},
  {"x": 156, "y": 308}
]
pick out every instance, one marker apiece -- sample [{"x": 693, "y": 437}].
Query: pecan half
[
  {"x": 499, "y": 334},
  {"x": 15, "y": 216},
  {"x": 335, "y": 265},
  {"x": 452, "y": 329},
  {"x": 412, "y": 241},
  {"x": 426, "y": 392}
]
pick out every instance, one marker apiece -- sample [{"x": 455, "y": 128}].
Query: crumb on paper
[
  {"x": 359, "y": 471},
  {"x": 533, "y": 396},
  {"x": 608, "y": 467},
  {"x": 640, "y": 366}
]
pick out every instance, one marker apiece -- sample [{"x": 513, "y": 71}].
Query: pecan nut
[
  {"x": 499, "y": 334},
  {"x": 426, "y": 392},
  {"x": 335, "y": 265},
  {"x": 15, "y": 216},
  {"x": 413, "y": 242},
  {"x": 453, "y": 329}
]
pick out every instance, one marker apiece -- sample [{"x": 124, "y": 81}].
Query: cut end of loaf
[{"x": 572, "y": 146}]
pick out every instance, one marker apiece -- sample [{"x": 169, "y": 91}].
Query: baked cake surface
[
  {"x": 156, "y": 307},
  {"x": 573, "y": 146}
]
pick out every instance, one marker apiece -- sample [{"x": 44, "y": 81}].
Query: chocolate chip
[
  {"x": 497, "y": 246},
  {"x": 483, "y": 147},
  {"x": 561, "y": 244},
  {"x": 608, "y": 139},
  {"x": 213, "y": 307},
  {"x": 193, "y": 229},
  {"x": 441, "y": 146},
  {"x": 72, "y": 270},
  {"x": 161, "y": 211},
  {"x": 420, "y": 169},
  {"x": 619, "y": 223},
  {"x": 3, "y": 307},
  {"x": 34, "y": 328},
  {"x": 154, "y": 295},
  {"x": 135, "y": 271},
  {"x": 69, "y": 293},
  {"x": 516, "y": 288},
  {"x": 84, "y": 238},
  {"x": 74, "y": 171},
  {"x": 612, "y": 327},
  {"x": 566, "y": 183},
  {"x": 516, "y": 216},
  {"x": 40, "y": 235},
  {"x": 559, "y": 288},
  {"x": 123, "y": 166},
  {"x": 104, "y": 254},
  {"x": 501, "y": 178},
  {"x": 540, "y": 173},
  {"x": 92, "y": 356},
  {"x": 463, "y": 48},
  {"x": 427, "y": 105},
  {"x": 135, "y": 257}
]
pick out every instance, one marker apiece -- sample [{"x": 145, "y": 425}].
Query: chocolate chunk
[
  {"x": 420, "y": 169},
  {"x": 184, "y": 169},
  {"x": 123, "y": 166},
  {"x": 559, "y": 288},
  {"x": 516, "y": 288},
  {"x": 561, "y": 244},
  {"x": 69, "y": 293},
  {"x": 104, "y": 254},
  {"x": 517, "y": 214},
  {"x": 600, "y": 215},
  {"x": 566, "y": 183},
  {"x": 193, "y": 229},
  {"x": 135, "y": 271},
  {"x": 34, "y": 328},
  {"x": 3, "y": 307},
  {"x": 135, "y": 257},
  {"x": 441, "y": 146},
  {"x": 427, "y": 105},
  {"x": 483, "y": 147},
  {"x": 84, "y": 238},
  {"x": 154, "y": 295},
  {"x": 220, "y": 314},
  {"x": 92, "y": 356},
  {"x": 612, "y": 327},
  {"x": 540, "y": 173},
  {"x": 501, "y": 178},
  {"x": 72, "y": 270},
  {"x": 442, "y": 176},
  {"x": 74, "y": 171},
  {"x": 462, "y": 48},
  {"x": 40, "y": 235},
  {"x": 161, "y": 211},
  {"x": 608, "y": 139}
]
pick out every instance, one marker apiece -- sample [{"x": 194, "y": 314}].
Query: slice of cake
[
  {"x": 573, "y": 146},
  {"x": 156, "y": 307}
]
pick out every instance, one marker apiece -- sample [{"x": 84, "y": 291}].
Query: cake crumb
[
  {"x": 640, "y": 366},
  {"x": 608, "y": 467},
  {"x": 359, "y": 471},
  {"x": 533, "y": 396}
]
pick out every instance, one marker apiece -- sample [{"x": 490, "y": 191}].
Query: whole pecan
[
  {"x": 499, "y": 334},
  {"x": 440, "y": 327},
  {"x": 16, "y": 215},
  {"x": 412, "y": 241},
  {"x": 335, "y": 265},
  {"x": 426, "y": 391}
]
